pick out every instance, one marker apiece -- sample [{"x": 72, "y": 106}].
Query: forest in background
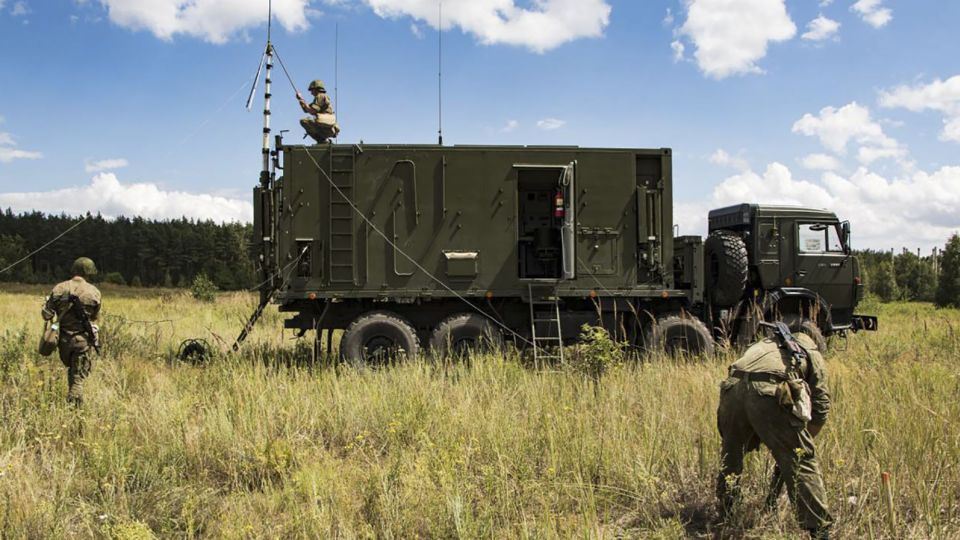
[
  {"x": 128, "y": 251},
  {"x": 172, "y": 253}
]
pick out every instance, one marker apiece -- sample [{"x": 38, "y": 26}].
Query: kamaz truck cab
[{"x": 784, "y": 262}]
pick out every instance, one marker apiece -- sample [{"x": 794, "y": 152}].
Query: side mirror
[{"x": 845, "y": 228}]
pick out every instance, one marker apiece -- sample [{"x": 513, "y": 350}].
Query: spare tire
[
  {"x": 679, "y": 335},
  {"x": 725, "y": 256}
]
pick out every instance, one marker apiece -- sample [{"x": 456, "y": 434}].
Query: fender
[{"x": 775, "y": 296}]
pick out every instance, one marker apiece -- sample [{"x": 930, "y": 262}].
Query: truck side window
[{"x": 819, "y": 238}]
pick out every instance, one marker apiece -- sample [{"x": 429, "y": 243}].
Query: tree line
[
  {"x": 172, "y": 253},
  {"x": 911, "y": 276},
  {"x": 128, "y": 251}
]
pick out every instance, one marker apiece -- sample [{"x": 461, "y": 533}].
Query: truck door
[
  {"x": 545, "y": 222},
  {"x": 822, "y": 265}
]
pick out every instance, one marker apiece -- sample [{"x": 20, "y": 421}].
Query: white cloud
[
  {"x": 20, "y": 9},
  {"x": 511, "y": 125},
  {"x": 668, "y": 18},
  {"x": 211, "y": 20},
  {"x": 730, "y": 36},
  {"x": 820, "y": 162},
  {"x": 837, "y": 127},
  {"x": 104, "y": 165},
  {"x": 549, "y": 124},
  {"x": 679, "y": 50},
  {"x": 821, "y": 29},
  {"x": 8, "y": 153},
  {"x": 940, "y": 96},
  {"x": 416, "y": 31},
  {"x": 873, "y": 12},
  {"x": 107, "y": 195},
  {"x": 722, "y": 158},
  {"x": 919, "y": 210},
  {"x": 544, "y": 25}
]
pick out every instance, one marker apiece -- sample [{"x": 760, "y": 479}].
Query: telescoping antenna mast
[
  {"x": 265, "y": 59},
  {"x": 440, "y": 72}
]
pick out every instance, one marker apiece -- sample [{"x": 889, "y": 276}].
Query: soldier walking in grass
[
  {"x": 76, "y": 304},
  {"x": 776, "y": 394},
  {"x": 322, "y": 122}
]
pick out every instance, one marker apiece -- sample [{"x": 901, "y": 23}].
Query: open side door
[{"x": 546, "y": 224}]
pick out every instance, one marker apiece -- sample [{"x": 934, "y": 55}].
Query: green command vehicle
[{"x": 414, "y": 247}]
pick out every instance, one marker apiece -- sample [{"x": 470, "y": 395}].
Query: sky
[{"x": 136, "y": 107}]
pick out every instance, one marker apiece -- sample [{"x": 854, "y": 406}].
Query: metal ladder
[
  {"x": 341, "y": 217},
  {"x": 545, "y": 322}
]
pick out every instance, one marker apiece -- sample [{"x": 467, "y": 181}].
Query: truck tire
[
  {"x": 811, "y": 329},
  {"x": 378, "y": 338},
  {"x": 726, "y": 267},
  {"x": 798, "y": 324},
  {"x": 679, "y": 335},
  {"x": 464, "y": 334}
]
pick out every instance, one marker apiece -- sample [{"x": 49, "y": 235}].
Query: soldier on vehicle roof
[
  {"x": 75, "y": 303},
  {"x": 322, "y": 122},
  {"x": 756, "y": 406}
]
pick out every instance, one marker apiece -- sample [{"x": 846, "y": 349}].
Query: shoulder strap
[{"x": 787, "y": 341}]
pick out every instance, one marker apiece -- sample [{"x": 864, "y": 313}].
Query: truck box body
[{"x": 470, "y": 216}]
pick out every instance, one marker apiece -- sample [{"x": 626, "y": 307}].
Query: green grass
[{"x": 247, "y": 447}]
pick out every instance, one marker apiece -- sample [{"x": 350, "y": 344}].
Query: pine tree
[
  {"x": 948, "y": 289},
  {"x": 884, "y": 284}
]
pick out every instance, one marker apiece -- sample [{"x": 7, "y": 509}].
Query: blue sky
[{"x": 135, "y": 107}]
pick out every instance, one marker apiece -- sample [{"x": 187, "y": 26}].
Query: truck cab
[{"x": 785, "y": 262}]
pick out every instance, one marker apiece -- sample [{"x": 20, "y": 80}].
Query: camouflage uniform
[
  {"x": 750, "y": 414},
  {"x": 75, "y": 342},
  {"x": 322, "y": 122}
]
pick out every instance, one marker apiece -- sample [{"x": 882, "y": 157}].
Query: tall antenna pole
[
  {"x": 336, "y": 67},
  {"x": 265, "y": 172},
  {"x": 440, "y": 72}
]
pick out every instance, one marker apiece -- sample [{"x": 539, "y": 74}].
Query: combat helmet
[
  {"x": 317, "y": 84},
  {"x": 84, "y": 267}
]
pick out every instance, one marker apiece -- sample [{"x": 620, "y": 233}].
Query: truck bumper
[{"x": 863, "y": 322}]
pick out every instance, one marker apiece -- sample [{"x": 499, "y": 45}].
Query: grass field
[{"x": 265, "y": 445}]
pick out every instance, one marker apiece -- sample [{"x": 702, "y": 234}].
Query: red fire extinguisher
[{"x": 558, "y": 211}]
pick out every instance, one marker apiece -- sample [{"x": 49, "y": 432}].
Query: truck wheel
[
  {"x": 378, "y": 338},
  {"x": 808, "y": 327},
  {"x": 726, "y": 267},
  {"x": 680, "y": 335},
  {"x": 811, "y": 329},
  {"x": 464, "y": 334}
]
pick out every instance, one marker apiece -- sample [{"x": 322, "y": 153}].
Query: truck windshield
[{"x": 819, "y": 238}]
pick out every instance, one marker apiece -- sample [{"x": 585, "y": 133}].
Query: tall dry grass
[{"x": 251, "y": 447}]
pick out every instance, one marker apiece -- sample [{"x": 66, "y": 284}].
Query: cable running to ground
[
  {"x": 408, "y": 257},
  {"x": 41, "y": 248}
]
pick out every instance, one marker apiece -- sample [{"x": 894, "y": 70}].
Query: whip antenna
[
  {"x": 336, "y": 67},
  {"x": 440, "y": 72}
]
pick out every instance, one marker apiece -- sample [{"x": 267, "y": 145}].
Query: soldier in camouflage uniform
[
  {"x": 75, "y": 338},
  {"x": 751, "y": 413},
  {"x": 322, "y": 122}
]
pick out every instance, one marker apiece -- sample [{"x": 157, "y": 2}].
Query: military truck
[{"x": 410, "y": 248}]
